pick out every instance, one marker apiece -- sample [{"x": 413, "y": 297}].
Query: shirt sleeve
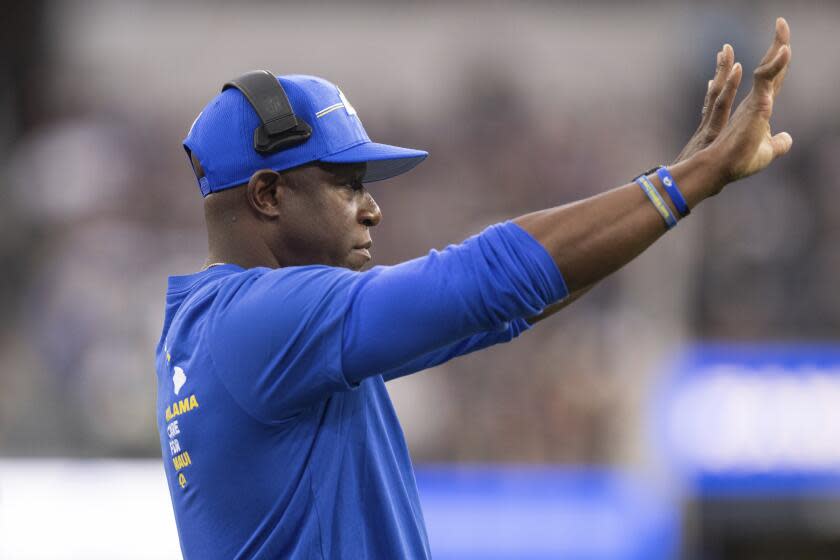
[
  {"x": 459, "y": 348},
  {"x": 285, "y": 339}
]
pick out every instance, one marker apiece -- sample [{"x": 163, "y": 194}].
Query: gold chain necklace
[{"x": 211, "y": 266}]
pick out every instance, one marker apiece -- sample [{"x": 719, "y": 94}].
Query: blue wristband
[
  {"x": 656, "y": 199},
  {"x": 673, "y": 191}
]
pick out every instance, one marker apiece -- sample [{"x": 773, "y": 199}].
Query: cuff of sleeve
[{"x": 553, "y": 278}]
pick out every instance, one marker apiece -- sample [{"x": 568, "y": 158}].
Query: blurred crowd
[{"x": 99, "y": 206}]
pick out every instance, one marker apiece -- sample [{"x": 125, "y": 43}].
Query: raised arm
[{"x": 592, "y": 238}]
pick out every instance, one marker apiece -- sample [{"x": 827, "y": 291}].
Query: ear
[{"x": 264, "y": 192}]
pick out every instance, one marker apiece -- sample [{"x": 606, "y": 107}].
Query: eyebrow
[{"x": 345, "y": 173}]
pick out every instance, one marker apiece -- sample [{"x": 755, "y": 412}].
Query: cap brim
[{"x": 383, "y": 161}]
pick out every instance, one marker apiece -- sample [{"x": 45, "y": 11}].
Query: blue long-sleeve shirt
[{"x": 278, "y": 436}]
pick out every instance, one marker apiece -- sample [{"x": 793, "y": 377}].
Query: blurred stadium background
[{"x": 689, "y": 407}]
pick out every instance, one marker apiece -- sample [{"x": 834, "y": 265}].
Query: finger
[
  {"x": 710, "y": 95},
  {"x": 705, "y": 111},
  {"x": 723, "y": 105},
  {"x": 781, "y": 37},
  {"x": 725, "y": 58},
  {"x": 764, "y": 75},
  {"x": 781, "y": 143},
  {"x": 780, "y": 79}
]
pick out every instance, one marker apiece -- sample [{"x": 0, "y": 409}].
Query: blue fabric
[
  {"x": 278, "y": 436},
  {"x": 222, "y": 137}
]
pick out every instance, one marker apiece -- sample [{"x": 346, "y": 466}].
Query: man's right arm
[{"x": 282, "y": 340}]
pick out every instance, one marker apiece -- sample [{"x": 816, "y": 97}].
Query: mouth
[{"x": 363, "y": 249}]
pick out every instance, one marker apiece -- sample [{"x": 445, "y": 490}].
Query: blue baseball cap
[{"x": 221, "y": 138}]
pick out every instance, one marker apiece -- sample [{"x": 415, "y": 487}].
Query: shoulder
[
  {"x": 263, "y": 293},
  {"x": 290, "y": 280},
  {"x": 265, "y": 313}
]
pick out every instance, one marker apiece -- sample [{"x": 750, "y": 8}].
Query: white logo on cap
[{"x": 349, "y": 108}]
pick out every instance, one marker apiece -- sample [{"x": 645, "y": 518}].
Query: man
[{"x": 278, "y": 435}]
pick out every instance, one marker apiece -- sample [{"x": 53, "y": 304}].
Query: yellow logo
[
  {"x": 181, "y": 407},
  {"x": 181, "y": 461}
]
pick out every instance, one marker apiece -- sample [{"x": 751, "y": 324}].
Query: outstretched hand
[{"x": 746, "y": 144}]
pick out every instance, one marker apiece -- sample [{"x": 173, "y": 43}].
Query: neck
[
  {"x": 234, "y": 242},
  {"x": 232, "y": 236},
  {"x": 246, "y": 255}
]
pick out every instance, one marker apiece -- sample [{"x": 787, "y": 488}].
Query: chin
[{"x": 357, "y": 260}]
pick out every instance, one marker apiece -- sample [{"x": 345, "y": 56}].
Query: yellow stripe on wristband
[{"x": 657, "y": 201}]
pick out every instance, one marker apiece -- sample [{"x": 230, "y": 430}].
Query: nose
[{"x": 369, "y": 213}]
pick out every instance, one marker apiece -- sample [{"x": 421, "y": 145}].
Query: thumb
[{"x": 781, "y": 143}]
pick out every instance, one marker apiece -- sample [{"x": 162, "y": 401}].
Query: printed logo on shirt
[
  {"x": 172, "y": 429},
  {"x": 180, "y": 457},
  {"x": 181, "y": 407},
  {"x": 181, "y": 461},
  {"x": 178, "y": 379}
]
